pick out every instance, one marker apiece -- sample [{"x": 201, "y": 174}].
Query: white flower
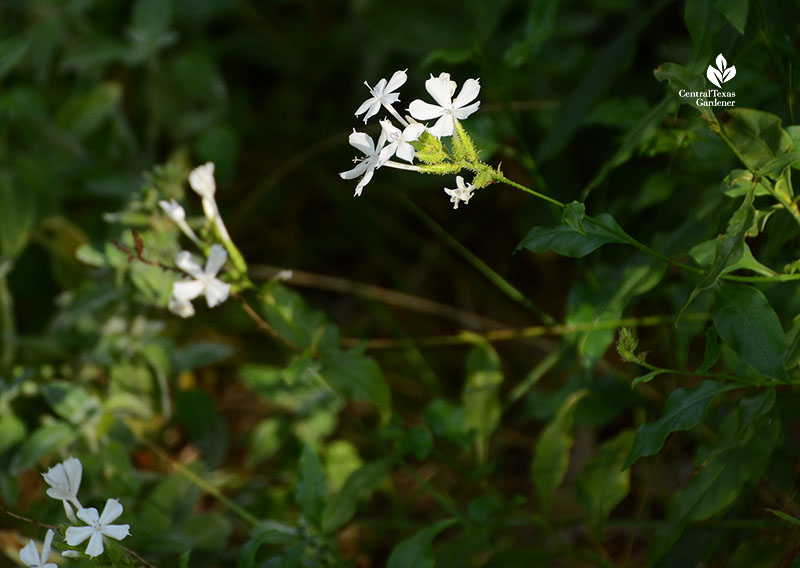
[
  {"x": 462, "y": 192},
  {"x": 64, "y": 480},
  {"x": 202, "y": 181},
  {"x": 372, "y": 161},
  {"x": 399, "y": 140},
  {"x": 442, "y": 89},
  {"x": 98, "y": 527},
  {"x": 382, "y": 94},
  {"x": 284, "y": 275},
  {"x": 175, "y": 212},
  {"x": 30, "y": 554},
  {"x": 204, "y": 282}
]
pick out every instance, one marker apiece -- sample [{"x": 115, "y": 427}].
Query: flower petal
[
  {"x": 439, "y": 89},
  {"x": 29, "y": 555},
  {"x": 362, "y": 142},
  {"x": 89, "y": 516},
  {"x": 421, "y": 110},
  {"x": 48, "y": 542},
  {"x": 117, "y": 532},
  {"x": 187, "y": 290},
  {"x": 464, "y": 112},
  {"x": 74, "y": 471},
  {"x": 95, "y": 547},
  {"x": 379, "y": 88},
  {"x": 443, "y": 126},
  {"x": 216, "y": 292},
  {"x": 202, "y": 180},
  {"x": 366, "y": 105},
  {"x": 181, "y": 308},
  {"x": 388, "y": 152},
  {"x": 111, "y": 512},
  {"x": 398, "y": 80},
  {"x": 364, "y": 181},
  {"x": 360, "y": 168},
  {"x": 76, "y": 535},
  {"x": 216, "y": 259},
  {"x": 405, "y": 151},
  {"x": 185, "y": 262},
  {"x": 413, "y": 131},
  {"x": 469, "y": 92}
]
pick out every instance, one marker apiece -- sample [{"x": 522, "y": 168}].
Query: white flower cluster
[
  {"x": 64, "y": 480},
  {"x": 203, "y": 281},
  {"x": 396, "y": 141}
]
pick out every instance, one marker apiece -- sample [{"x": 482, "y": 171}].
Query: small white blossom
[
  {"x": 372, "y": 158},
  {"x": 382, "y": 95},
  {"x": 64, "y": 480},
  {"x": 30, "y": 554},
  {"x": 99, "y": 526},
  {"x": 176, "y": 213},
  {"x": 70, "y": 554},
  {"x": 462, "y": 192},
  {"x": 399, "y": 140},
  {"x": 284, "y": 275},
  {"x": 442, "y": 89},
  {"x": 202, "y": 181},
  {"x": 204, "y": 282}
]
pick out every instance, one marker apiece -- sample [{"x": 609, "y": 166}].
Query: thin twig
[
  {"x": 261, "y": 323},
  {"x": 378, "y": 293}
]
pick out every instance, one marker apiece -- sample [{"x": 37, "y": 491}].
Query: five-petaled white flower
[
  {"x": 399, "y": 140},
  {"x": 30, "y": 554},
  {"x": 372, "y": 158},
  {"x": 99, "y": 526},
  {"x": 382, "y": 94},
  {"x": 446, "y": 110},
  {"x": 462, "y": 192},
  {"x": 64, "y": 480},
  {"x": 204, "y": 281},
  {"x": 202, "y": 181},
  {"x": 176, "y": 213}
]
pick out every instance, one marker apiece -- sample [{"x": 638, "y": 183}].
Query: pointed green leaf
[
  {"x": 757, "y": 136},
  {"x": 735, "y": 11},
  {"x": 355, "y": 376},
  {"x": 551, "y": 454},
  {"x": 747, "y": 324},
  {"x": 311, "y": 488},
  {"x": 341, "y": 507},
  {"x": 417, "y": 551},
  {"x": 683, "y": 410},
  {"x": 603, "y": 483},
  {"x": 567, "y": 241},
  {"x": 481, "y": 395}
]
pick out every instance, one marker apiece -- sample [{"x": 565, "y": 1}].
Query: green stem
[
  {"x": 504, "y": 285},
  {"x": 199, "y": 481},
  {"x": 7, "y": 326},
  {"x": 721, "y": 376},
  {"x": 654, "y": 253}
]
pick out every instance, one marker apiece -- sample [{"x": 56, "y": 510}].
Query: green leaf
[
  {"x": 757, "y": 136},
  {"x": 417, "y": 551},
  {"x": 481, "y": 394},
  {"x": 311, "y": 489},
  {"x": 747, "y": 324},
  {"x": 719, "y": 483},
  {"x": 17, "y": 216},
  {"x": 735, "y": 11},
  {"x": 786, "y": 517},
  {"x": 603, "y": 483},
  {"x": 341, "y": 507},
  {"x": 705, "y": 254},
  {"x": 44, "y": 441},
  {"x": 729, "y": 247},
  {"x": 645, "y": 378},
  {"x": 82, "y": 115},
  {"x": 355, "y": 376},
  {"x": 551, "y": 454},
  {"x": 712, "y": 350},
  {"x": 290, "y": 316},
  {"x": 573, "y": 215},
  {"x": 683, "y": 410},
  {"x": 567, "y": 241},
  {"x": 12, "y": 430},
  {"x": 69, "y": 401},
  {"x": 12, "y": 50}
]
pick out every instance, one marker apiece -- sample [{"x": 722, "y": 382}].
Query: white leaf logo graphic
[{"x": 722, "y": 74}]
